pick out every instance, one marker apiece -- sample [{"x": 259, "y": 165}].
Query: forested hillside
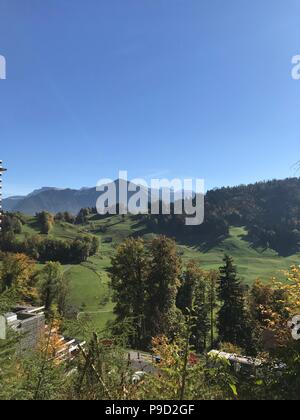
[{"x": 270, "y": 212}]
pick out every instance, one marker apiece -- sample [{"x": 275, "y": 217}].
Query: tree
[
  {"x": 183, "y": 375},
  {"x": 54, "y": 250},
  {"x": 46, "y": 221},
  {"x": 82, "y": 216},
  {"x": 63, "y": 303},
  {"x": 83, "y": 247},
  {"x": 18, "y": 272},
  {"x": 128, "y": 280},
  {"x": 65, "y": 217},
  {"x": 94, "y": 245},
  {"x": 193, "y": 298},
  {"x": 233, "y": 323},
  {"x": 7, "y": 363},
  {"x": 51, "y": 284},
  {"x": 272, "y": 305},
  {"x": 162, "y": 287},
  {"x": 7, "y": 241},
  {"x": 11, "y": 222},
  {"x": 212, "y": 279},
  {"x": 145, "y": 288},
  {"x": 190, "y": 277},
  {"x": 201, "y": 315},
  {"x": 79, "y": 250}
]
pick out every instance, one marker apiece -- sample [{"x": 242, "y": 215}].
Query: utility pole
[{"x": 1, "y": 172}]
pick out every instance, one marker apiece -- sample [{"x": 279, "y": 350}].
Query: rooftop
[{"x": 22, "y": 313}]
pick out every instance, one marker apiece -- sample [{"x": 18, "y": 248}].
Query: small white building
[
  {"x": 28, "y": 321},
  {"x": 239, "y": 363}
]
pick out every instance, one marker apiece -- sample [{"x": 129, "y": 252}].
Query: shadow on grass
[
  {"x": 195, "y": 240},
  {"x": 284, "y": 249}
]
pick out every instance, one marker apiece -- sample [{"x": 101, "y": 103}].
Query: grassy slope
[
  {"x": 252, "y": 263},
  {"x": 89, "y": 281}
]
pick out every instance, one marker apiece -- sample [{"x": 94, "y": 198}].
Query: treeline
[
  {"x": 47, "y": 249},
  {"x": 268, "y": 210}
]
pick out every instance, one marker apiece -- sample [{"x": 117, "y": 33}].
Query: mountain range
[{"x": 57, "y": 200}]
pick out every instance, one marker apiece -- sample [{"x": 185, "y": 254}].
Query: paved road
[
  {"x": 92, "y": 313},
  {"x": 140, "y": 361}
]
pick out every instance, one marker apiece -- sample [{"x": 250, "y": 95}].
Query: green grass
[
  {"x": 90, "y": 293},
  {"x": 251, "y": 263}
]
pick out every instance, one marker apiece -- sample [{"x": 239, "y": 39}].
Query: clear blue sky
[{"x": 175, "y": 88}]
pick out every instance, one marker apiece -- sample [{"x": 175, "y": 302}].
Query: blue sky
[{"x": 168, "y": 88}]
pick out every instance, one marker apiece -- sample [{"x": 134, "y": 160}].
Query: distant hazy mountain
[
  {"x": 9, "y": 203},
  {"x": 57, "y": 200},
  {"x": 53, "y": 200}
]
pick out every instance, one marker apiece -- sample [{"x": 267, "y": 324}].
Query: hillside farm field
[{"x": 90, "y": 293}]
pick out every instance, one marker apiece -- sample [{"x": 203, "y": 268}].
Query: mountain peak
[{"x": 43, "y": 189}]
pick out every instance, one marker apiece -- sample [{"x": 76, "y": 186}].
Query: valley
[{"x": 90, "y": 294}]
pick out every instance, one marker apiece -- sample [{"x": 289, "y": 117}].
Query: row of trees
[
  {"x": 73, "y": 251},
  {"x": 145, "y": 286},
  {"x": 49, "y": 249},
  {"x": 153, "y": 291}
]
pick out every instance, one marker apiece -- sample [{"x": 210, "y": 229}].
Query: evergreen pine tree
[
  {"x": 212, "y": 302},
  {"x": 233, "y": 324},
  {"x": 201, "y": 325},
  {"x": 186, "y": 291}
]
